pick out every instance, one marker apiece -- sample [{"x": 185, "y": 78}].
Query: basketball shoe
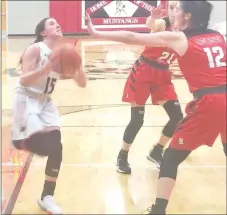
[
  {"x": 49, "y": 205},
  {"x": 155, "y": 156}
]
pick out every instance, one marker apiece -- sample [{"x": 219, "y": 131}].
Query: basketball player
[
  {"x": 150, "y": 76},
  {"x": 202, "y": 60},
  {"x": 35, "y": 121}
]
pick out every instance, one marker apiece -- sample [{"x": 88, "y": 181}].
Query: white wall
[
  {"x": 23, "y": 16},
  {"x": 219, "y": 12}
]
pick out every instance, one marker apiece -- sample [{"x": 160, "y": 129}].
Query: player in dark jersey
[{"x": 202, "y": 60}]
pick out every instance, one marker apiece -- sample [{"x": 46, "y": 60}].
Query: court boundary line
[
  {"x": 16, "y": 191},
  {"x": 112, "y": 165}
]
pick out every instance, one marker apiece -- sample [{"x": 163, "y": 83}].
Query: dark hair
[
  {"x": 40, "y": 27},
  {"x": 200, "y": 12}
]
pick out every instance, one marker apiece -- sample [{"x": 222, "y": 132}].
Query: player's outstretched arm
[{"x": 174, "y": 40}]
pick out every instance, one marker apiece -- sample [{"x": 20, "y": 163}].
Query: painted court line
[{"x": 113, "y": 166}]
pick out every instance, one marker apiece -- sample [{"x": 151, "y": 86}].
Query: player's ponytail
[
  {"x": 205, "y": 18},
  {"x": 39, "y": 38}
]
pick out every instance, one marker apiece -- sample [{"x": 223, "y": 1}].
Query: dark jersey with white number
[{"x": 204, "y": 64}]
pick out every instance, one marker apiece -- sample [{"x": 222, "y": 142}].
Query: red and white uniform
[{"x": 204, "y": 68}]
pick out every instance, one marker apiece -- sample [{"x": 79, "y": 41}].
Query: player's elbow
[{"x": 24, "y": 81}]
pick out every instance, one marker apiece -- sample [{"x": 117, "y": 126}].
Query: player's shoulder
[
  {"x": 33, "y": 50},
  {"x": 177, "y": 41}
]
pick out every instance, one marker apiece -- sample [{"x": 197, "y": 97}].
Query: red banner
[
  {"x": 97, "y": 6},
  {"x": 143, "y": 4},
  {"x": 117, "y": 14},
  {"x": 112, "y": 15}
]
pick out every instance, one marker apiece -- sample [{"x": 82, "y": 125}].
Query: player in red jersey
[
  {"x": 150, "y": 75},
  {"x": 202, "y": 60}
]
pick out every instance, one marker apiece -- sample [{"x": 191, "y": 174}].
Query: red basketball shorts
[
  {"x": 205, "y": 120},
  {"x": 144, "y": 81}
]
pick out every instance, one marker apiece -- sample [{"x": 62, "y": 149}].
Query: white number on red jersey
[
  {"x": 166, "y": 56},
  {"x": 215, "y": 61}
]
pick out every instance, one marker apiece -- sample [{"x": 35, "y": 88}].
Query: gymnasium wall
[
  {"x": 219, "y": 12},
  {"x": 3, "y": 36},
  {"x": 22, "y": 16},
  {"x": 3, "y": 19}
]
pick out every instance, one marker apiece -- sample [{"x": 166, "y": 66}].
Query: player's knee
[
  {"x": 55, "y": 156},
  {"x": 43, "y": 143},
  {"x": 135, "y": 124},
  {"x": 175, "y": 114},
  {"x": 54, "y": 161},
  {"x": 172, "y": 158},
  {"x": 35, "y": 144},
  {"x": 53, "y": 143}
]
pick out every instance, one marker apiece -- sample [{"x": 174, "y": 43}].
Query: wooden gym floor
[{"x": 93, "y": 121}]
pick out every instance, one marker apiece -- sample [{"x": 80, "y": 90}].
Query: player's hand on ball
[
  {"x": 89, "y": 24},
  {"x": 55, "y": 62},
  {"x": 51, "y": 65}
]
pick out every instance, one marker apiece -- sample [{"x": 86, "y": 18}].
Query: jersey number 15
[
  {"x": 215, "y": 61},
  {"x": 50, "y": 85}
]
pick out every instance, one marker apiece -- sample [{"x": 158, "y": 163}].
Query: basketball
[{"x": 70, "y": 60}]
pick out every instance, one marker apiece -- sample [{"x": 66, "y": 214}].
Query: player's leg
[
  {"x": 199, "y": 127},
  {"x": 27, "y": 134},
  {"x": 135, "y": 93},
  {"x": 132, "y": 129},
  {"x": 46, "y": 144},
  {"x": 167, "y": 98},
  {"x": 172, "y": 158},
  {"x": 50, "y": 118}
]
